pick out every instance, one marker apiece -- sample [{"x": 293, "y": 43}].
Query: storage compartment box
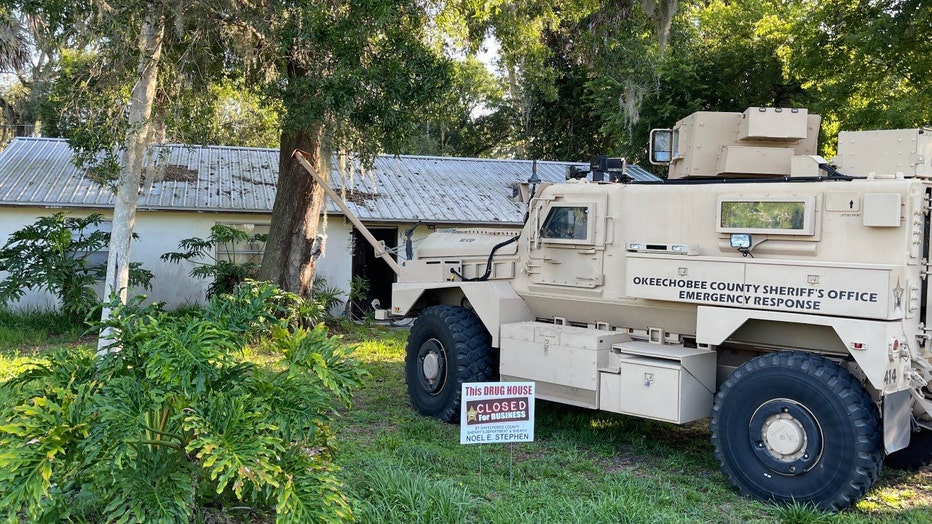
[
  {"x": 563, "y": 361},
  {"x": 656, "y": 381},
  {"x": 767, "y": 123},
  {"x": 747, "y": 160},
  {"x": 885, "y": 152}
]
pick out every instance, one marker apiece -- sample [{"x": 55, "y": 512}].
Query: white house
[{"x": 188, "y": 189}]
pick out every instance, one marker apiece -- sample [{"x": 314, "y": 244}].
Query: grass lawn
[{"x": 584, "y": 466}]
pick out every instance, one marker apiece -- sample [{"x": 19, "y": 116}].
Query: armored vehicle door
[{"x": 568, "y": 241}]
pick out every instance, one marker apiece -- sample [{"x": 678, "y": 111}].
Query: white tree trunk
[{"x": 124, "y": 211}]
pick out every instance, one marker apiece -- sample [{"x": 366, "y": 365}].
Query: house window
[
  {"x": 97, "y": 258},
  {"x": 241, "y": 252}
]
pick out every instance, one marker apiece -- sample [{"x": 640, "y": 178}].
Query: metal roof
[{"x": 40, "y": 172}]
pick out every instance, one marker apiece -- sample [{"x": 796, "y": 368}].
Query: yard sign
[{"x": 497, "y": 412}]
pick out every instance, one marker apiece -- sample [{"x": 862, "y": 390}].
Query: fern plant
[{"x": 174, "y": 421}]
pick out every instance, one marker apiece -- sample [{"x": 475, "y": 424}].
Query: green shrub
[
  {"x": 254, "y": 306},
  {"x": 54, "y": 254},
  {"x": 173, "y": 421},
  {"x": 356, "y": 306},
  {"x": 226, "y": 274},
  {"x": 326, "y": 296}
]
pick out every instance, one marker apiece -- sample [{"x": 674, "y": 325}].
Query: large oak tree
[
  {"x": 349, "y": 74},
  {"x": 344, "y": 74}
]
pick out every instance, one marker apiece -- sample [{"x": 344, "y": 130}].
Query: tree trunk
[
  {"x": 124, "y": 210},
  {"x": 287, "y": 261},
  {"x": 524, "y": 111}
]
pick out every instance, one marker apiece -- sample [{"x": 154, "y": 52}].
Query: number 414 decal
[{"x": 890, "y": 376}]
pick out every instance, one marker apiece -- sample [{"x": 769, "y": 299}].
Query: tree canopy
[
  {"x": 573, "y": 77},
  {"x": 593, "y": 77},
  {"x": 569, "y": 78}
]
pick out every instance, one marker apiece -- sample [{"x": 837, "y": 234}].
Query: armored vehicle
[{"x": 783, "y": 296}]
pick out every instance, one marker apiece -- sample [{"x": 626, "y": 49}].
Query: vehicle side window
[
  {"x": 566, "y": 223},
  {"x": 772, "y": 216}
]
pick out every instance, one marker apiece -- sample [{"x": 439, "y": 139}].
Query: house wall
[
  {"x": 335, "y": 263},
  {"x": 159, "y": 232},
  {"x": 12, "y": 220}
]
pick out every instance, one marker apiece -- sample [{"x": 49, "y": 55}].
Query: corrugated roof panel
[{"x": 39, "y": 171}]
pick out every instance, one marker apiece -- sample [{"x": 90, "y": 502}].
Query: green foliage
[
  {"x": 355, "y": 68},
  {"x": 802, "y": 514},
  {"x": 587, "y": 77},
  {"x": 226, "y": 112},
  {"x": 356, "y": 307},
  {"x": 558, "y": 128},
  {"x": 470, "y": 118},
  {"x": 392, "y": 495},
  {"x": 171, "y": 419},
  {"x": 54, "y": 254},
  {"x": 94, "y": 57},
  {"x": 227, "y": 272},
  {"x": 255, "y": 306},
  {"x": 866, "y": 65},
  {"x": 327, "y": 296},
  {"x": 601, "y": 75},
  {"x": 84, "y": 106}
]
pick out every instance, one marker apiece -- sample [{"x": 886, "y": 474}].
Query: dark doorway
[{"x": 373, "y": 271}]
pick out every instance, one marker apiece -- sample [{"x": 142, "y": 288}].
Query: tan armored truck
[{"x": 783, "y": 297}]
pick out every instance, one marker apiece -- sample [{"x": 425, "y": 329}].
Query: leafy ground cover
[
  {"x": 584, "y": 466},
  {"x": 175, "y": 426}
]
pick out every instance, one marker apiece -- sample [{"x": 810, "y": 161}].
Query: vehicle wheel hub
[
  {"x": 431, "y": 367},
  {"x": 786, "y": 437},
  {"x": 433, "y": 363}
]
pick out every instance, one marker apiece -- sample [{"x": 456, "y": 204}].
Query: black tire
[
  {"x": 796, "y": 427},
  {"x": 447, "y": 346},
  {"x": 917, "y": 454}
]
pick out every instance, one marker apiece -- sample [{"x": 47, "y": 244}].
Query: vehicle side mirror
[{"x": 661, "y": 150}]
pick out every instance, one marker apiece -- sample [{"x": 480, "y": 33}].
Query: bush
[
  {"x": 226, "y": 274},
  {"x": 253, "y": 307},
  {"x": 173, "y": 421},
  {"x": 54, "y": 254},
  {"x": 356, "y": 306},
  {"x": 326, "y": 296}
]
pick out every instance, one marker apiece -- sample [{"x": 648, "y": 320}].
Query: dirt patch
[
  {"x": 169, "y": 172},
  {"x": 360, "y": 198},
  {"x": 626, "y": 460}
]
